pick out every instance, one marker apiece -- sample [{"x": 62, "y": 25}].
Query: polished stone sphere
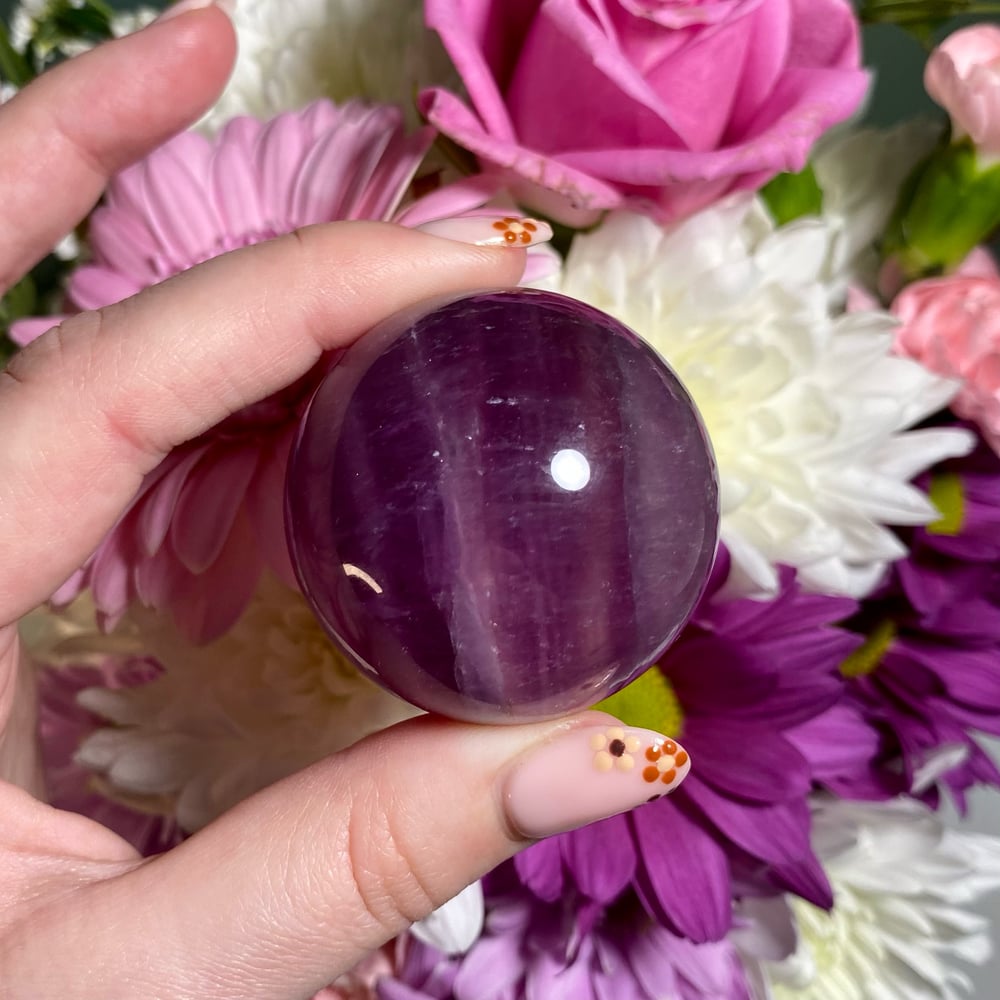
[{"x": 502, "y": 506}]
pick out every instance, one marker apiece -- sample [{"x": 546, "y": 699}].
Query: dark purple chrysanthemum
[
  {"x": 572, "y": 949},
  {"x": 929, "y": 673},
  {"x": 743, "y": 678}
]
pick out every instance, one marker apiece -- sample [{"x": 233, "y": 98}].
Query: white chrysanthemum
[
  {"x": 294, "y": 51},
  {"x": 900, "y": 924},
  {"x": 226, "y": 719},
  {"x": 806, "y": 408},
  {"x": 26, "y": 17},
  {"x": 23, "y": 21}
]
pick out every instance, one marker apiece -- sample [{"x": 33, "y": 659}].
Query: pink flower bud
[
  {"x": 963, "y": 76},
  {"x": 952, "y": 326}
]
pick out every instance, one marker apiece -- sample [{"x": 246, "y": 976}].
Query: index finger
[
  {"x": 91, "y": 406},
  {"x": 66, "y": 133}
]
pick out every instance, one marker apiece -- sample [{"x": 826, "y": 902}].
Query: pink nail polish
[
  {"x": 588, "y": 774},
  {"x": 491, "y": 231},
  {"x": 186, "y": 6}
]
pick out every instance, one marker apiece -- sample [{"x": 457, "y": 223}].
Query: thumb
[{"x": 298, "y": 883}]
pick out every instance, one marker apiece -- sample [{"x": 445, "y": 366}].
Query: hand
[{"x": 295, "y": 885}]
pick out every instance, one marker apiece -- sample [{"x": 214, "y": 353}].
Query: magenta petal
[
  {"x": 393, "y": 174},
  {"x": 745, "y": 760},
  {"x": 837, "y": 743},
  {"x": 184, "y": 220},
  {"x": 70, "y": 589},
  {"x": 92, "y": 286},
  {"x": 550, "y": 978},
  {"x": 265, "y": 505},
  {"x": 109, "y": 574},
  {"x": 601, "y": 857},
  {"x": 24, "y": 331},
  {"x": 211, "y": 603},
  {"x": 337, "y": 171},
  {"x": 280, "y": 148},
  {"x": 160, "y": 579},
  {"x": 457, "y": 21},
  {"x": 824, "y": 33},
  {"x": 123, "y": 242},
  {"x": 774, "y": 833},
  {"x": 458, "y": 198},
  {"x": 685, "y": 882},
  {"x": 233, "y": 185},
  {"x": 492, "y": 966},
  {"x": 595, "y": 97},
  {"x": 209, "y": 503},
  {"x": 540, "y": 868},
  {"x": 771, "y": 32},
  {"x": 805, "y": 878},
  {"x": 156, "y": 507},
  {"x": 454, "y": 119},
  {"x": 703, "y": 80}
]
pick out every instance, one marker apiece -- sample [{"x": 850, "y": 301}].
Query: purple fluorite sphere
[{"x": 503, "y": 506}]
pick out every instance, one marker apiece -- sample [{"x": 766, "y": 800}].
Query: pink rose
[
  {"x": 952, "y": 326},
  {"x": 667, "y": 105},
  {"x": 963, "y": 76}
]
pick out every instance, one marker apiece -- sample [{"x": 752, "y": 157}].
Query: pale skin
[{"x": 291, "y": 888}]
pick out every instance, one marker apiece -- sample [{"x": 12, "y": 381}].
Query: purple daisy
[
  {"x": 571, "y": 949},
  {"x": 928, "y": 674},
  {"x": 742, "y": 680}
]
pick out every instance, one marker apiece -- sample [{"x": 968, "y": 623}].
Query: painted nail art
[
  {"x": 590, "y": 773},
  {"x": 489, "y": 231}
]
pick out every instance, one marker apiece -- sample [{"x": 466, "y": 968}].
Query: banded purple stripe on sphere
[{"x": 504, "y": 506}]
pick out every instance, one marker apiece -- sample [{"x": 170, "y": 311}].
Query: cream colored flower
[
  {"x": 294, "y": 51},
  {"x": 223, "y": 720},
  {"x": 900, "y": 927},
  {"x": 806, "y": 407}
]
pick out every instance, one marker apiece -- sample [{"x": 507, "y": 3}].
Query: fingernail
[
  {"x": 490, "y": 231},
  {"x": 588, "y": 774},
  {"x": 186, "y": 6}
]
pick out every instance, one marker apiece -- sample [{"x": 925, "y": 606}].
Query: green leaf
[
  {"x": 7, "y": 348},
  {"x": 63, "y": 22},
  {"x": 923, "y": 18},
  {"x": 791, "y": 196},
  {"x": 21, "y": 300},
  {"x": 14, "y": 67},
  {"x": 949, "y": 206}
]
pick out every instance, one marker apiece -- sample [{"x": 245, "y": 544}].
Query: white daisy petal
[
  {"x": 897, "y": 929},
  {"x": 456, "y": 926},
  {"x": 295, "y": 51},
  {"x": 226, "y": 719}
]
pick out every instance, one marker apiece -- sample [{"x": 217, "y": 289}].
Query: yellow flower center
[
  {"x": 948, "y": 495},
  {"x": 867, "y": 658},
  {"x": 649, "y": 702}
]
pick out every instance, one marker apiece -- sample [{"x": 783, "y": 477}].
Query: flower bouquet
[{"x": 827, "y": 294}]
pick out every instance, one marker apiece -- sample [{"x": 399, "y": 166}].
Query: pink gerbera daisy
[{"x": 208, "y": 520}]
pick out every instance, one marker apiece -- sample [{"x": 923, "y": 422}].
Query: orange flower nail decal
[
  {"x": 614, "y": 749},
  {"x": 665, "y": 759},
  {"x": 516, "y": 230}
]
